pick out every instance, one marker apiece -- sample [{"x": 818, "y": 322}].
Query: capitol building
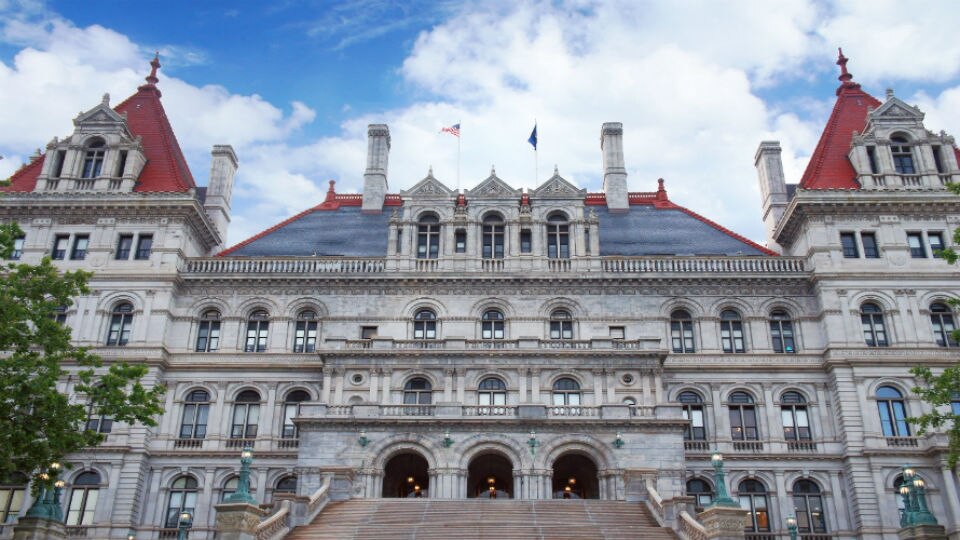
[{"x": 434, "y": 344}]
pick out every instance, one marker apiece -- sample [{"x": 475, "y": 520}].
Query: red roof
[
  {"x": 829, "y": 167},
  {"x": 166, "y": 169}
]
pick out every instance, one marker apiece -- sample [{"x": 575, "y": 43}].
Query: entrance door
[
  {"x": 490, "y": 476},
  {"x": 575, "y": 477},
  {"x": 406, "y": 476}
]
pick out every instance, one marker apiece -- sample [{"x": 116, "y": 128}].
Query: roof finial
[
  {"x": 106, "y": 100},
  {"x": 331, "y": 192},
  {"x": 846, "y": 78},
  {"x": 661, "y": 190},
  {"x": 154, "y": 66},
  {"x": 556, "y": 170},
  {"x": 493, "y": 171},
  {"x": 430, "y": 171}
]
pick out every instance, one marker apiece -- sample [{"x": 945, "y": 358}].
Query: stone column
[
  {"x": 237, "y": 521},
  {"x": 598, "y": 387},
  {"x": 723, "y": 522},
  {"x": 325, "y": 391},
  {"x": 386, "y": 398},
  {"x": 534, "y": 386},
  {"x": 448, "y": 385},
  {"x": 338, "y": 386},
  {"x": 374, "y": 381},
  {"x": 33, "y": 528},
  {"x": 953, "y": 501}
]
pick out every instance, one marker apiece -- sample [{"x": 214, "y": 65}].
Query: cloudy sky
[{"x": 293, "y": 84}]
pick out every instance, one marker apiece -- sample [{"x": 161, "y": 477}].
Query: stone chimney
[
  {"x": 773, "y": 187},
  {"x": 375, "y": 177},
  {"x": 614, "y": 171},
  {"x": 223, "y": 169}
]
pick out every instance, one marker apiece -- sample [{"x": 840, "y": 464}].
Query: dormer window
[
  {"x": 902, "y": 155},
  {"x": 93, "y": 159},
  {"x": 558, "y": 236},
  {"x": 493, "y": 237},
  {"x": 428, "y": 237}
]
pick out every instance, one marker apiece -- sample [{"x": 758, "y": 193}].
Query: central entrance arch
[
  {"x": 490, "y": 476},
  {"x": 575, "y": 476},
  {"x": 406, "y": 475}
]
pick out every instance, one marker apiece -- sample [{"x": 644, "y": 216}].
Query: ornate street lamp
[
  {"x": 44, "y": 506},
  {"x": 792, "y": 527},
  {"x": 242, "y": 494},
  {"x": 533, "y": 443},
  {"x": 915, "y": 509},
  {"x": 618, "y": 441},
  {"x": 363, "y": 441},
  {"x": 186, "y": 521},
  {"x": 57, "y": 490},
  {"x": 447, "y": 441},
  {"x": 723, "y": 498}
]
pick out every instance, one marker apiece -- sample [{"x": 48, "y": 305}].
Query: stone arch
[
  {"x": 475, "y": 380},
  {"x": 885, "y": 302},
  {"x": 110, "y": 301},
  {"x": 482, "y": 443},
  {"x": 767, "y": 479},
  {"x": 688, "y": 387},
  {"x": 793, "y": 308},
  {"x": 492, "y": 302},
  {"x": 286, "y": 388},
  {"x": 248, "y": 306},
  {"x": 387, "y": 448},
  {"x": 304, "y": 303},
  {"x": 168, "y": 476},
  {"x": 187, "y": 388},
  {"x": 581, "y": 443},
  {"x": 197, "y": 308},
  {"x": 425, "y": 302},
  {"x": 745, "y": 310},
  {"x": 693, "y": 307},
  {"x": 562, "y": 302}
]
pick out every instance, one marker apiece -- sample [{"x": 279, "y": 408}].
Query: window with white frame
[
  {"x": 291, "y": 409},
  {"x": 305, "y": 332},
  {"x": 491, "y": 324},
  {"x": 84, "y": 494},
  {"x": 941, "y": 317},
  {"x": 121, "y": 321},
  {"x": 731, "y": 332},
  {"x": 491, "y": 396},
  {"x": 874, "y": 329},
  {"x": 681, "y": 332},
  {"x": 258, "y": 329},
  {"x": 196, "y": 411},
  {"x": 753, "y": 498},
  {"x": 425, "y": 324},
  {"x": 561, "y": 324},
  {"x": 793, "y": 414},
  {"x": 208, "y": 332},
  {"x": 246, "y": 415},
  {"x": 893, "y": 412},
  {"x": 182, "y": 498},
  {"x": 808, "y": 504}
]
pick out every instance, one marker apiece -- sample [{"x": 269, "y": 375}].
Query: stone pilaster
[{"x": 723, "y": 522}]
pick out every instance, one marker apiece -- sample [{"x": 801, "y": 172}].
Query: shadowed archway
[
  {"x": 575, "y": 476},
  {"x": 406, "y": 476},
  {"x": 490, "y": 476}
]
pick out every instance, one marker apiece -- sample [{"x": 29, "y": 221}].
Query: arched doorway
[
  {"x": 406, "y": 476},
  {"x": 490, "y": 476},
  {"x": 575, "y": 477}
]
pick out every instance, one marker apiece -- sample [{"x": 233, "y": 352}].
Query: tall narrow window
[
  {"x": 246, "y": 415},
  {"x": 681, "y": 332},
  {"x": 13, "y": 489},
  {"x": 182, "y": 498},
  {"x": 808, "y": 504},
  {"x": 874, "y": 331},
  {"x": 848, "y": 241},
  {"x": 124, "y": 246},
  {"x": 460, "y": 241},
  {"x": 93, "y": 159},
  {"x": 493, "y": 237},
  {"x": 60, "y": 244},
  {"x": 17, "y": 249},
  {"x": 258, "y": 328},
  {"x": 428, "y": 237},
  {"x": 566, "y": 397},
  {"x": 693, "y": 412},
  {"x": 743, "y": 417},
  {"x": 97, "y": 422},
  {"x": 561, "y": 324},
  {"x": 291, "y": 409},
  {"x": 305, "y": 334},
  {"x": 526, "y": 241},
  {"x": 700, "y": 490},
  {"x": 83, "y": 499},
  {"x": 870, "y": 250},
  {"x": 793, "y": 413},
  {"x": 558, "y": 237},
  {"x": 915, "y": 241},
  {"x": 731, "y": 331},
  {"x": 938, "y": 158},
  {"x": 58, "y": 164},
  {"x": 872, "y": 157},
  {"x": 144, "y": 247},
  {"x": 196, "y": 410},
  {"x": 902, "y": 155},
  {"x": 121, "y": 163},
  {"x": 753, "y": 498},
  {"x": 893, "y": 412},
  {"x": 943, "y": 325},
  {"x": 492, "y": 396},
  {"x": 491, "y": 325},
  {"x": 781, "y": 332},
  {"x": 417, "y": 391},
  {"x": 935, "y": 241},
  {"x": 208, "y": 333},
  {"x": 121, "y": 320},
  {"x": 425, "y": 324},
  {"x": 80, "y": 244}
]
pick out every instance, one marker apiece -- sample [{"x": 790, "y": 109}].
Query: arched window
[
  {"x": 566, "y": 397},
  {"x": 781, "y": 332},
  {"x": 943, "y": 325},
  {"x": 13, "y": 489},
  {"x": 561, "y": 324},
  {"x": 305, "y": 335},
  {"x": 491, "y": 324},
  {"x": 121, "y": 319},
  {"x": 258, "y": 327},
  {"x": 902, "y": 155},
  {"x": 287, "y": 484},
  {"x": 874, "y": 331},
  {"x": 417, "y": 391},
  {"x": 793, "y": 412},
  {"x": 93, "y": 159},
  {"x": 493, "y": 236},
  {"x": 246, "y": 415},
  {"x": 491, "y": 396},
  {"x": 753, "y": 497},
  {"x": 558, "y": 236},
  {"x": 83, "y": 499},
  {"x": 743, "y": 417},
  {"x": 229, "y": 488},
  {"x": 425, "y": 324},
  {"x": 693, "y": 411},
  {"x": 701, "y": 492},
  {"x": 196, "y": 410},
  {"x": 428, "y": 237},
  {"x": 893, "y": 412},
  {"x": 182, "y": 498},
  {"x": 731, "y": 332},
  {"x": 808, "y": 504},
  {"x": 208, "y": 335},
  {"x": 681, "y": 332},
  {"x": 291, "y": 409}
]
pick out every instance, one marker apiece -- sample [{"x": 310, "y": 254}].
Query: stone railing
[
  {"x": 572, "y": 410},
  {"x": 461, "y": 344},
  {"x": 276, "y": 526},
  {"x": 655, "y": 503},
  {"x": 407, "y": 410},
  {"x": 689, "y": 528},
  {"x": 318, "y": 500},
  {"x": 736, "y": 265},
  {"x": 306, "y": 265},
  {"x": 488, "y": 410}
]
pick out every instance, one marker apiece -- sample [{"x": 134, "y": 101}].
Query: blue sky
[{"x": 292, "y": 85}]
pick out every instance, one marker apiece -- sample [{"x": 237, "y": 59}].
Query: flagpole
[
  {"x": 536, "y": 155},
  {"x": 458, "y": 158}
]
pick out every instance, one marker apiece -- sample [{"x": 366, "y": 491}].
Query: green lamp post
[
  {"x": 792, "y": 527},
  {"x": 723, "y": 498},
  {"x": 47, "y": 503},
  {"x": 242, "y": 494},
  {"x": 183, "y": 525}
]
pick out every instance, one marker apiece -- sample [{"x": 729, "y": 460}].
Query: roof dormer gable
[
  {"x": 558, "y": 188},
  {"x": 429, "y": 188},
  {"x": 102, "y": 120},
  {"x": 893, "y": 115},
  {"x": 494, "y": 188}
]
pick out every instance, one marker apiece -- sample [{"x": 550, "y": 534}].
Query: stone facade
[{"x": 448, "y": 345}]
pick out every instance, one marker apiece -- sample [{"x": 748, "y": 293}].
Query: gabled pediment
[
  {"x": 102, "y": 119},
  {"x": 493, "y": 187},
  {"x": 557, "y": 186},
  {"x": 896, "y": 109},
  {"x": 428, "y": 187}
]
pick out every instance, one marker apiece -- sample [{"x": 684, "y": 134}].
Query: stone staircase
[{"x": 474, "y": 519}]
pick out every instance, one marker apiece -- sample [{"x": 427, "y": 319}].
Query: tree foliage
[{"x": 39, "y": 424}]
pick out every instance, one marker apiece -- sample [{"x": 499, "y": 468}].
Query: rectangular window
[
  {"x": 586, "y": 240},
  {"x": 915, "y": 241},
  {"x": 368, "y": 332},
  {"x": 399, "y": 246},
  {"x": 935, "y": 240},
  {"x": 870, "y": 250},
  {"x": 60, "y": 244},
  {"x": 121, "y": 163},
  {"x": 938, "y": 159},
  {"x": 872, "y": 156},
  {"x": 617, "y": 332},
  {"x": 848, "y": 241},
  {"x": 526, "y": 241},
  {"x": 58, "y": 164},
  {"x": 124, "y": 245},
  {"x": 460, "y": 241},
  {"x": 144, "y": 245},
  {"x": 17, "y": 249},
  {"x": 79, "y": 251}
]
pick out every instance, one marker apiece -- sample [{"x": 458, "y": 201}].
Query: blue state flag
[{"x": 533, "y": 137}]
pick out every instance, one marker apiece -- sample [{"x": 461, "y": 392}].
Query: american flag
[{"x": 453, "y": 130}]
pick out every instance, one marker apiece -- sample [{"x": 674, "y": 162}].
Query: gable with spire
[
  {"x": 558, "y": 187},
  {"x": 429, "y": 187},
  {"x": 493, "y": 187}
]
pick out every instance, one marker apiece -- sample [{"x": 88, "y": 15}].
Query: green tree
[{"x": 38, "y": 422}]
